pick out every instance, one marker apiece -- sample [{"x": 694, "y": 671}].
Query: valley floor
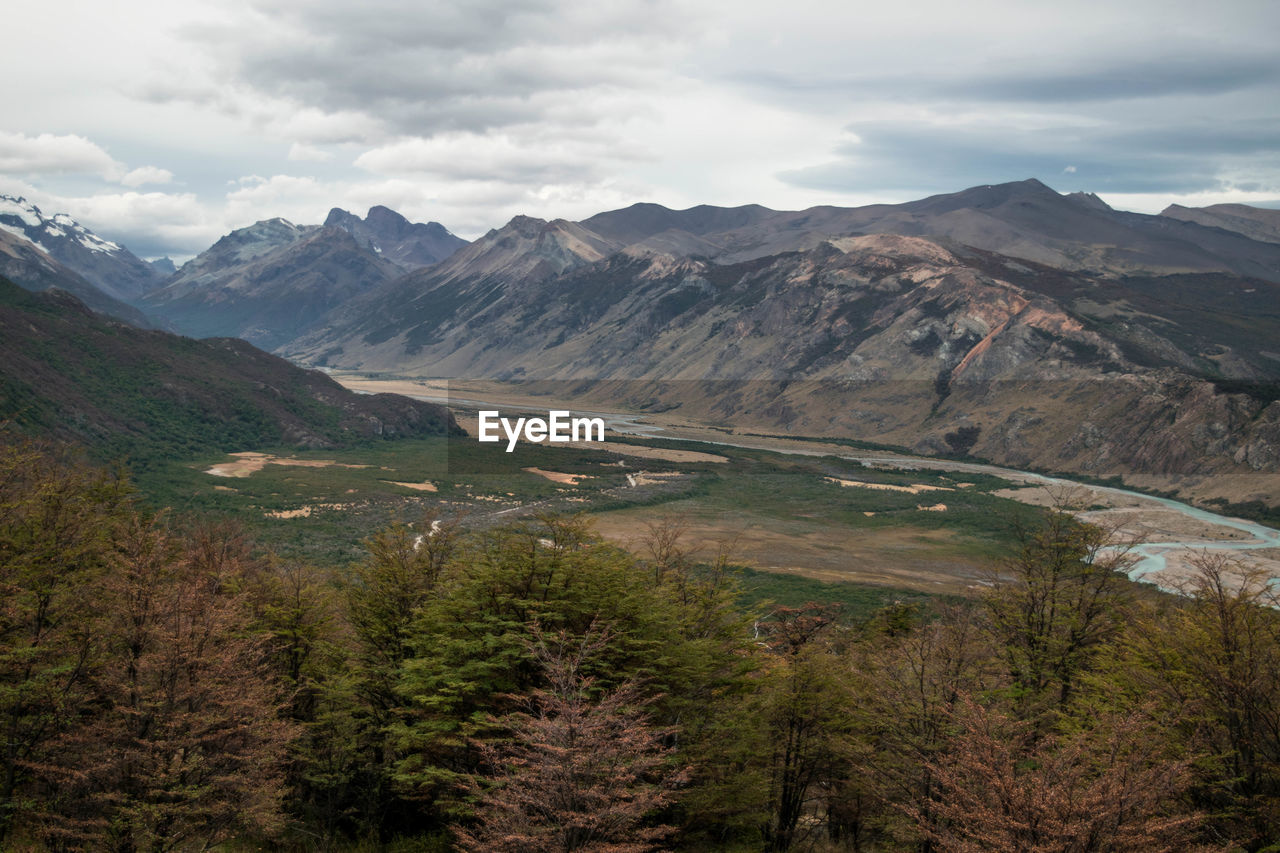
[{"x": 1166, "y": 535}]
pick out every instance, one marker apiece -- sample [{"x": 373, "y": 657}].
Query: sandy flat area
[
  {"x": 559, "y": 477},
  {"x": 424, "y": 486},
  {"x": 913, "y": 489},
  {"x": 303, "y": 511},
  {"x": 248, "y": 462}
]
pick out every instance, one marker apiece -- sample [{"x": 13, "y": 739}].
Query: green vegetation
[
  {"x": 857, "y": 603},
  {"x": 523, "y": 685},
  {"x": 358, "y": 492},
  {"x": 148, "y": 397}
]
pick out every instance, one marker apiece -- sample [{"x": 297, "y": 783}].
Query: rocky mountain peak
[
  {"x": 107, "y": 265},
  {"x": 385, "y": 219},
  {"x": 410, "y": 245},
  {"x": 341, "y": 218},
  {"x": 1090, "y": 200}
]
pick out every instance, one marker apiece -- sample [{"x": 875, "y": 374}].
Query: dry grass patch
[
  {"x": 913, "y": 489},
  {"x": 928, "y": 560},
  {"x": 424, "y": 486},
  {"x": 559, "y": 477},
  {"x": 248, "y": 462}
]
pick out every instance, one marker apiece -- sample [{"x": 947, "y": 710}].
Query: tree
[
  {"x": 1001, "y": 787},
  {"x": 582, "y": 770},
  {"x": 1054, "y": 605},
  {"x": 58, "y": 522},
  {"x": 907, "y": 686},
  {"x": 186, "y": 743},
  {"x": 470, "y": 651},
  {"x": 401, "y": 575},
  {"x": 771, "y": 750},
  {"x": 1216, "y": 656}
]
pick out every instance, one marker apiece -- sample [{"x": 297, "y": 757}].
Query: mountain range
[
  {"x": 1009, "y": 321},
  {"x": 272, "y": 281}
]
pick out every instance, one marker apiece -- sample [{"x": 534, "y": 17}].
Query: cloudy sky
[{"x": 166, "y": 124}]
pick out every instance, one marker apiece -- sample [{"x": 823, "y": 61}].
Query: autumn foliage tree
[
  {"x": 584, "y": 770},
  {"x": 58, "y": 522},
  {"x": 1215, "y": 657},
  {"x": 185, "y": 745},
  {"x": 1001, "y": 787}
]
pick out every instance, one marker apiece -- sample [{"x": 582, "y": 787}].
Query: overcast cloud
[{"x": 164, "y": 125}]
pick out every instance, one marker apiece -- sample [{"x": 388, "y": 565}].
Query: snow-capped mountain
[
  {"x": 27, "y": 265},
  {"x": 112, "y": 268}
]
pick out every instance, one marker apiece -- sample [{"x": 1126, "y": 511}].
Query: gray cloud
[
  {"x": 1174, "y": 73},
  {"x": 424, "y": 69},
  {"x": 1057, "y": 79},
  {"x": 469, "y": 111},
  {"x": 1170, "y": 158}
]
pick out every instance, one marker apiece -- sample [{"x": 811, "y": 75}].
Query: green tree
[
  {"x": 384, "y": 595},
  {"x": 1215, "y": 657},
  {"x": 1055, "y": 605},
  {"x": 59, "y": 520}
]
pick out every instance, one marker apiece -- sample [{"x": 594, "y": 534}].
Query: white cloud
[
  {"x": 522, "y": 155},
  {"x": 302, "y": 153},
  {"x": 48, "y": 153},
  {"x": 146, "y": 175}
]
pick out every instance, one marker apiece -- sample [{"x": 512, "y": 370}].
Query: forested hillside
[
  {"x": 528, "y": 687},
  {"x": 69, "y": 373}
]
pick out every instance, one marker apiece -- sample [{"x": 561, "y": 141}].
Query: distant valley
[{"x": 1008, "y": 322}]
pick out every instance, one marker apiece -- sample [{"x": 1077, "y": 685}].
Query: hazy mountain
[
  {"x": 410, "y": 245},
  {"x": 640, "y": 222},
  {"x": 1130, "y": 368},
  {"x": 69, "y": 373},
  {"x": 1025, "y": 219},
  {"x": 24, "y": 263},
  {"x": 1256, "y": 223},
  {"x": 236, "y": 249},
  {"x": 110, "y": 267},
  {"x": 268, "y": 283},
  {"x": 164, "y": 266}
]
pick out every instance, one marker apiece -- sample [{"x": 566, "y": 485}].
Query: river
[{"x": 1149, "y": 558}]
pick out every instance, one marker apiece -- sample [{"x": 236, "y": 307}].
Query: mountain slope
[
  {"x": 25, "y": 264},
  {"x": 881, "y": 337},
  {"x": 1255, "y": 223},
  {"x": 68, "y": 373},
  {"x": 409, "y": 245},
  {"x": 110, "y": 267},
  {"x": 268, "y": 283},
  {"x": 407, "y": 313}
]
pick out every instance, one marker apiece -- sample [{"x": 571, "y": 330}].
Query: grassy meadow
[{"x": 787, "y": 516}]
